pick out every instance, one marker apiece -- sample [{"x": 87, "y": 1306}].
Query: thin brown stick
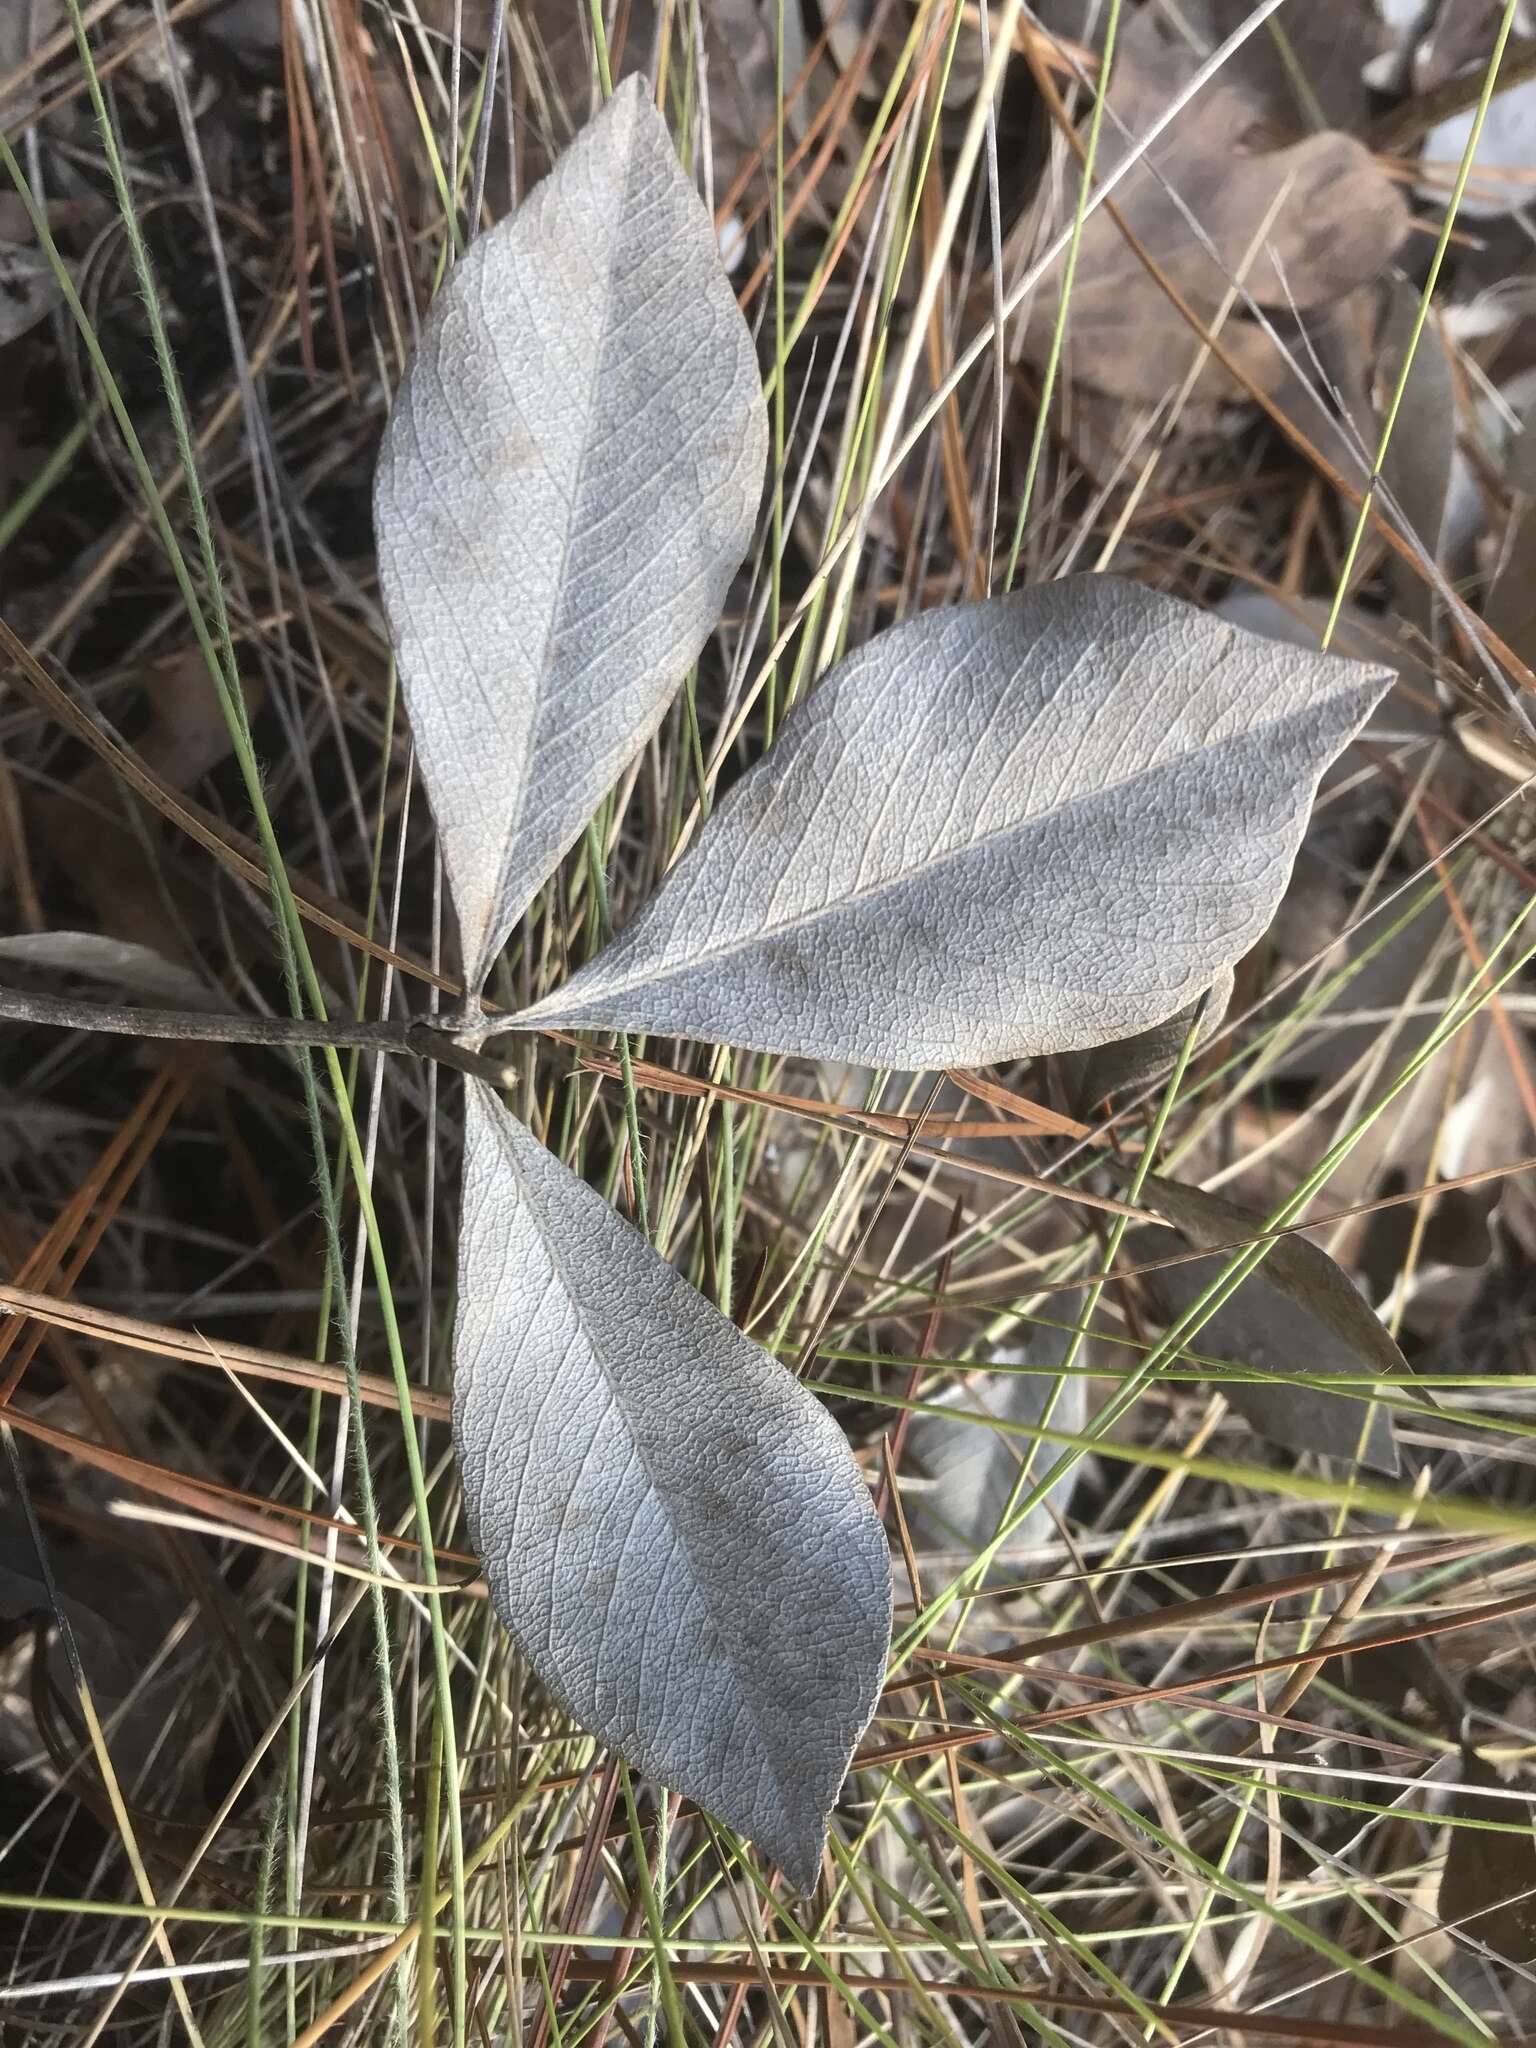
[{"x": 433, "y": 1041}]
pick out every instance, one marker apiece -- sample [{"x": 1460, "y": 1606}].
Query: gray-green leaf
[
  {"x": 1022, "y": 826},
  {"x": 673, "y": 1530},
  {"x": 1297, "y": 1313},
  {"x": 568, "y": 481}
]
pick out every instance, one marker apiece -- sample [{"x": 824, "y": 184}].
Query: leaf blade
[
  {"x": 682, "y": 1544},
  {"x": 1016, "y": 827},
  {"x": 567, "y": 483},
  {"x": 1298, "y": 1302}
]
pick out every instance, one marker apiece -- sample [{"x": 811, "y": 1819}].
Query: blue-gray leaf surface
[
  {"x": 567, "y": 483},
  {"x": 1022, "y": 826},
  {"x": 672, "y": 1528}
]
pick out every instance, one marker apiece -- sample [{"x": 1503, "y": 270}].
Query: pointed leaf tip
[
  {"x": 1023, "y": 826},
  {"x": 567, "y": 483},
  {"x": 672, "y": 1528}
]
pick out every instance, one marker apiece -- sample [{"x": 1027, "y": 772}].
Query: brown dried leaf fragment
[{"x": 1334, "y": 219}]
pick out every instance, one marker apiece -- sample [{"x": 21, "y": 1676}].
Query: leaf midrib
[
  {"x": 599, "y": 1353},
  {"x": 551, "y": 1005},
  {"x": 572, "y": 525}
]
